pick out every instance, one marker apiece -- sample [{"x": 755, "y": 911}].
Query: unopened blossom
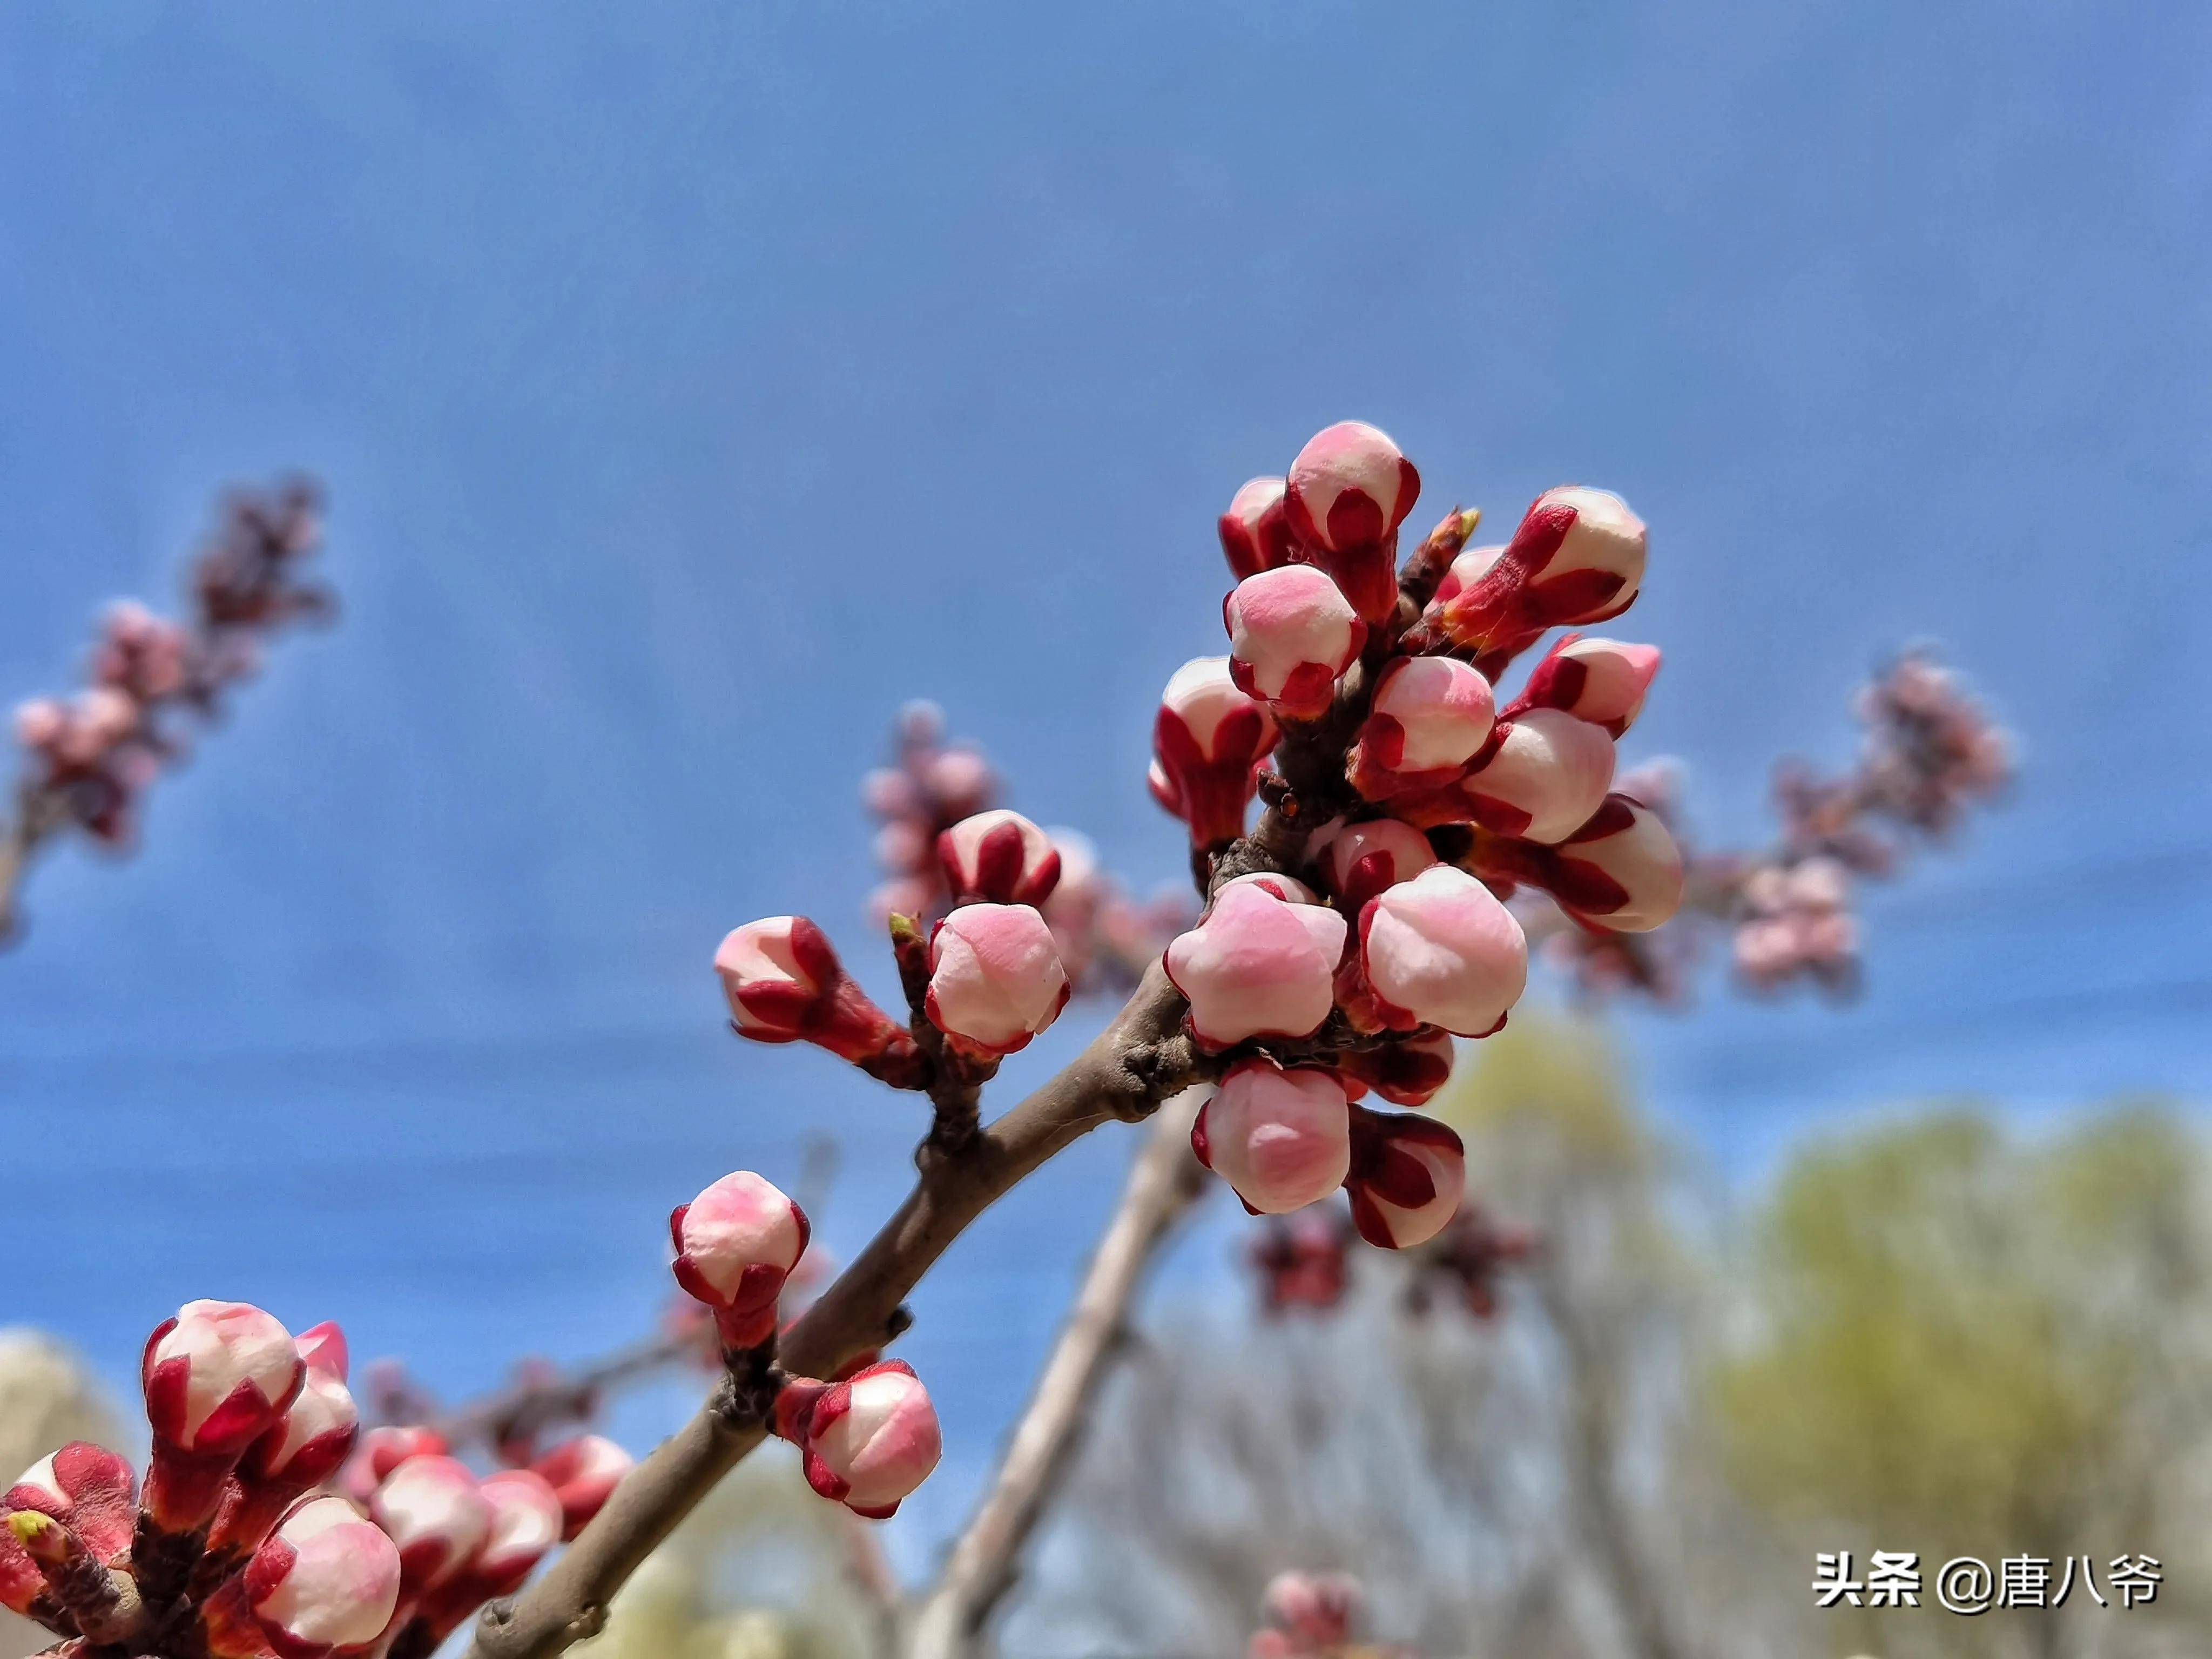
[
  {"x": 584, "y": 1472},
  {"x": 1302, "y": 1262},
  {"x": 433, "y": 1510},
  {"x": 88, "y": 1488},
  {"x": 1406, "y": 1072},
  {"x": 999, "y": 856},
  {"x": 1797, "y": 920},
  {"x": 1359, "y": 860},
  {"x": 1540, "y": 779},
  {"x": 1291, "y": 635},
  {"x": 1599, "y": 680},
  {"x": 1429, "y": 717},
  {"x": 1578, "y": 557},
  {"x": 1278, "y": 1136},
  {"x": 1255, "y": 534},
  {"x": 1308, "y": 1613},
  {"x": 318, "y": 1429},
  {"x": 736, "y": 1244},
  {"x": 995, "y": 978},
  {"x": 379, "y": 1450},
  {"x": 1621, "y": 870},
  {"x": 1347, "y": 492},
  {"x": 526, "y": 1521},
  {"x": 785, "y": 984},
  {"x": 1206, "y": 742},
  {"x": 1408, "y": 1175},
  {"x": 327, "y": 1578},
  {"x": 1289, "y": 889},
  {"x": 1439, "y": 949},
  {"x": 868, "y": 1441},
  {"x": 216, "y": 1377},
  {"x": 1256, "y": 966}
]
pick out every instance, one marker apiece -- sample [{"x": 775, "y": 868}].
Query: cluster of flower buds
[
  {"x": 241, "y": 1542},
  {"x": 1365, "y": 924},
  {"x": 1796, "y": 920},
  {"x": 1307, "y": 1614},
  {"x": 91, "y": 758},
  {"x": 1465, "y": 1263},
  {"x": 1302, "y": 1261}
]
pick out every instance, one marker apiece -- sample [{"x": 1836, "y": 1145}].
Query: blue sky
[{"x": 695, "y": 382}]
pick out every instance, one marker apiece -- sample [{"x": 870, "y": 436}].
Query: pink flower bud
[
  {"x": 1360, "y": 860},
  {"x": 1405, "y": 1072},
  {"x": 313, "y": 1438},
  {"x": 1315, "y": 1610},
  {"x": 40, "y": 723},
  {"x": 1292, "y": 634},
  {"x": 88, "y": 1488},
  {"x": 1578, "y": 557},
  {"x": 217, "y": 1377},
  {"x": 961, "y": 782},
  {"x": 583, "y": 1472},
  {"x": 785, "y": 984},
  {"x": 1348, "y": 492},
  {"x": 1255, "y": 535},
  {"x": 1274, "y": 883},
  {"x": 1407, "y": 1176},
  {"x": 527, "y": 1519},
  {"x": 431, "y": 1510},
  {"x": 1430, "y": 716},
  {"x": 381, "y": 1450},
  {"x": 1440, "y": 950},
  {"x": 868, "y": 1441},
  {"x": 1256, "y": 966},
  {"x": 1001, "y": 857},
  {"x": 1278, "y": 1137},
  {"x": 325, "y": 1579},
  {"x": 1207, "y": 739},
  {"x": 1598, "y": 680},
  {"x": 1620, "y": 872},
  {"x": 995, "y": 978},
  {"x": 736, "y": 1244},
  {"x": 1542, "y": 776}
]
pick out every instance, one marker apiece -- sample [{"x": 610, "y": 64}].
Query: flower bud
[
  {"x": 326, "y": 1578},
  {"x": 1206, "y": 741},
  {"x": 217, "y": 1376},
  {"x": 583, "y": 1472},
  {"x": 1598, "y": 680},
  {"x": 1278, "y": 1137},
  {"x": 88, "y": 1488},
  {"x": 527, "y": 1519},
  {"x": 1315, "y": 1610},
  {"x": 1347, "y": 492},
  {"x": 1292, "y": 634},
  {"x": 1000, "y": 857},
  {"x": 1256, "y": 966},
  {"x": 867, "y": 1441},
  {"x": 735, "y": 1245},
  {"x": 1620, "y": 872},
  {"x": 1429, "y": 717},
  {"x": 1406, "y": 1072},
  {"x": 1578, "y": 557},
  {"x": 1289, "y": 889},
  {"x": 1407, "y": 1176},
  {"x": 1360, "y": 860},
  {"x": 785, "y": 984},
  {"x": 436, "y": 1517},
  {"x": 317, "y": 1433},
  {"x": 995, "y": 978},
  {"x": 1542, "y": 776},
  {"x": 378, "y": 1451},
  {"x": 1440, "y": 950},
  {"x": 1255, "y": 535}
]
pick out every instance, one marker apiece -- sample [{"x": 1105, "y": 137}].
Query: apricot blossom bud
[
  {"x": 217, "y": 1376},
  {"x": 1540, "y": 780},
  {"x": 1407, "y": 1176},
  {"x": 1430, "y": 716},
  {"x": 88, "y": 1488},
  {"x": 1407, "y": 1072},
  {"x": 1289, "y": 889},
  {"x": 1292, "y": 634},
  {"x": 1598, "y": 680},
  {"x": 1206, "y": 741},
  {"x": 867, "y": 1441},
  {"x": 378, "y": 1451},
  {"x": 995, "y": 978},
  {"x": 1255, "y": 536},
  {"x": 785, "y": 984},
  {"x": 1001, "y": 857},
  {"x": 433, "y": 1512},
  {"x": 526, "y": 1521},
  {"x": 1360, "y": 860},
  {"x": 1620, "y": 872},
  {"x": 1278, "y": 1137},
  {"x": 1578, "y": 557},
  {"x": 1441, "y": 950},
  {"x": 583, "y": 1472},
  {"x": 1256, "y": 966},
  {"x": 736, "y": 1244},
  {"x": 327, "y": 1578}
]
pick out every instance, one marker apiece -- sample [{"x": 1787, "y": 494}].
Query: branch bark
[
  {"x": 1163, "y": 1185},
  {"x": 1137, "y": 1061}
]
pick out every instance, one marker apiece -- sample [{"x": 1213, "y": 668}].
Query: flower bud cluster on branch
[
  {"x": 1309, "y": 1615},
  {"x": 89, "y": 760},
  {"x": 268, "y": 1523}
]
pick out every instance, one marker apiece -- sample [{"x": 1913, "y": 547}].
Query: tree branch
[
  {"x": 1140, "y": 1059},
  {"x": 1163, "y": 1185}
]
